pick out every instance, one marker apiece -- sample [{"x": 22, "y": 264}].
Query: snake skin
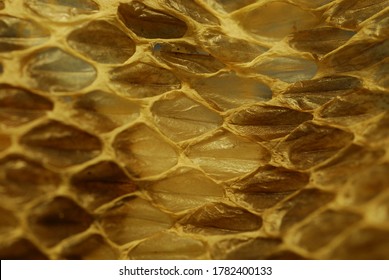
[{"x": 194, "y": 129}]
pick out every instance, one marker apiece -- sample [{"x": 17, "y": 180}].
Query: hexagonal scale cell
[
  {"x": 60, "y": 144},
  {"x": 103, "y": 42},
  {"x": 226, "y": 156},
  {"x": 23, "y": 180},
  {"x": 143, "y": 151},
  {"x": 55, "y": 220},
  {"x": 137, "y": 219},
  {"x": 268, "y": 20},
  {"x": 357, "y": 56},
  {"x": 180, "y": 118},
  {"x": 187, "y": 58},
  {"x": 355, "y": 107},
  {"x": 54, "y": 70},
  {"x": 184, "y": 190},
  {"x": 150, "y": 23},
  {"x": 19, "y": 106},
  {"x": 141, "y": 80},
  {"x": 168, "y": 246},
  {"x": 366, "y": 243},
  {"x": 220, "y": 219},
  {"x": 62, "y": 10},
  {"x": 311, "y": 144},
  {"x": 92, "y": 247},
  {"x": 320, "y": 41},
  {"x": 288, "y": 69},
  {"x": 18, "y": 34},
  {"x": 228, "y": 48},
  {"x": 246, "y": 249},
  {"x": 228, "y": 90},
  {"x": 265, "y": 123},
  {"x": 349, "y": 162},
  {"x": 101, "y": 183},
  {"x": 268, "y": 186},
  {"x": 104, "y": 111},
  {"x": 349, "y": 13},
  {"x": 311, "y": 94},
  {"x": 193, "y": 10},
  {"x": 320, "y": 230},
  {"x": 21, "y": 249},
  {"x": 302, "y": 205}
]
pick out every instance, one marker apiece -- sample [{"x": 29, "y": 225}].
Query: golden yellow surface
[{"x": 194, "y": 129}]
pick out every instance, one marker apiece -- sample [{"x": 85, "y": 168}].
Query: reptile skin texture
[{"x": 194, "y": 129}]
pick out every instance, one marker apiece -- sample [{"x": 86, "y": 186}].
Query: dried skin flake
[{"x": 194, "y": 129}]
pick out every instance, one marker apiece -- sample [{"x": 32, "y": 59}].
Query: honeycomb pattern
[{"x": 194, "y": 129}]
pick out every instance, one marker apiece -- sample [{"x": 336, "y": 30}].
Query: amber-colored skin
[{"x": 182, "y": 129}]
